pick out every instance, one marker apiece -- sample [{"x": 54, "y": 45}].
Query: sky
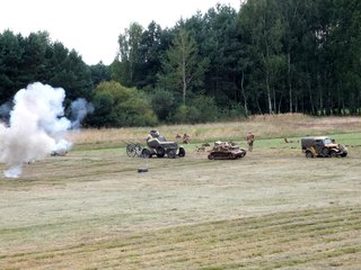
[{"x": 92, "y": 27}]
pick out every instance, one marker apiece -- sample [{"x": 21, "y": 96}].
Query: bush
[
  {"x": 234, "y": 111},
  {"x": 207, "y": 109},
  {"x": 202, "y": 109},
  {"x": 181, "y": 114},
  {"x": 119, "y": 106},
  {"x": 163, "y": 104}
]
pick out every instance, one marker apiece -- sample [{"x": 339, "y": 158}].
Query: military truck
[{"x": 322, "y": 147}]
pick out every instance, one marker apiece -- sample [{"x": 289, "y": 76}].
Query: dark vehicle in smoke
[
  {"x": 226, "y": 150},
  {"x": 60, "y": 152},
  {"x": 322, "y": 147},
  {"x": 157, "y": 145}
]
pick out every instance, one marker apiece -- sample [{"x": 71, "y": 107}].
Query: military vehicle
[
  {"x": 322, "y": 147},
  {"x": 160, "y": 147},
  {"x": 226, "y": 150}
]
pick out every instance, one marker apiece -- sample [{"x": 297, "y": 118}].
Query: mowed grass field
[{"x": 273, "y": 209}]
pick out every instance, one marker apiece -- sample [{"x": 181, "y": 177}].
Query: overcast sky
[{"x": 92, "y": 27}]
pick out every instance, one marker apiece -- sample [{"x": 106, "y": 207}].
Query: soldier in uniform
[
  {"x": 151, "y": 135},
  {"x": 250, "y": 140},
  {"x": 186, "y": 138}
]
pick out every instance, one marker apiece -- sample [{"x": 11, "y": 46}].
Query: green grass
[
  {"x": 286, "y": 239},
  {"x": 273, "y": 209},
  {"x": 263, "y": 126}
]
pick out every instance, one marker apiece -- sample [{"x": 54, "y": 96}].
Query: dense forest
[{"x": 269, "y": 56}]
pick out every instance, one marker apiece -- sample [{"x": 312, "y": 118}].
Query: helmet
[{"x": 154, "y": 133}]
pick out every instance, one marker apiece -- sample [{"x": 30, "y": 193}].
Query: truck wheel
[
  {"x": 172, "y": 153},
  {"x": 146, "y": 153},
  {"x": 333, "y": 154},
  {"x": 182, "y": 152},
  {"x": 211, "y": 156},
  {"x": 325, "y": 152},
  {"x": 309, "y": 154},
  {"x": 160, "y": 152}
]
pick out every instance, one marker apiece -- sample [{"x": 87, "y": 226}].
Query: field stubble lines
[
  {"x": 266, "y": 228},
  {"x": 227, "y": 239},
  {"x": 270, "y": 222},
  {"x": 178, "y": 251},
  {"x": 234, "y": 245}
]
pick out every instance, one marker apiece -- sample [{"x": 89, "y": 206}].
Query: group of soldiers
[{"x": 184, "y": 139}]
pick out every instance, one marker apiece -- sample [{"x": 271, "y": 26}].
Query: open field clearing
[
  {"x": 265, "y": 127},
  {"x": 273, "y": 209}
]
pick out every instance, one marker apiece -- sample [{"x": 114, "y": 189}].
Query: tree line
[{"x": 269, "y": 56}]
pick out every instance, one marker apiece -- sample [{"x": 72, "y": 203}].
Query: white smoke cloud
[
  {"x": 79, "y": 109},
  {"x": 36, "y": 127}
]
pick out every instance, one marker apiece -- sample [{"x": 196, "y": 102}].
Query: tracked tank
[{"x": 226, "y": 150}]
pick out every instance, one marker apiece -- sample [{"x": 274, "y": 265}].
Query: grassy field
[
  {"x": 264, "y": 127},
  {"x": 274, "y": 209}
]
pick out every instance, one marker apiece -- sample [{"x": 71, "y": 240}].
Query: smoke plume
[
  {"x": 36, "y": 127},
  {"x": 79, "y": 109},
  {"x": 5, "y": 111}
]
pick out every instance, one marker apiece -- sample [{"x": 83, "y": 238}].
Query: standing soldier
[{"x": 250, "y": 139}]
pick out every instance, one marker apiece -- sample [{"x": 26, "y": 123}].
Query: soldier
[
  {"x": 186, "y": 138},
  {"x": 178, "y": 137},
  {"x": 151, "y": 135},
  {"x": 250, "y": 140}
]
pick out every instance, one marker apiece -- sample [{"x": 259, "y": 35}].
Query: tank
[{"x": 226, "y": 150}]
